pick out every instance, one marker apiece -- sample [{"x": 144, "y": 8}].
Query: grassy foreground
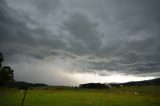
[{"x": 124, "y": 96}]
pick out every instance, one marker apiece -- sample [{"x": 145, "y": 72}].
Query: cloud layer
[{"x": 101, "y": 37}]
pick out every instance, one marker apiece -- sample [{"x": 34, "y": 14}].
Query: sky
[{"x": 69, "y": 42}]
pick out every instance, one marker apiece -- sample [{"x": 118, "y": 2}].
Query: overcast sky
[{"x": 67, "y": 42}]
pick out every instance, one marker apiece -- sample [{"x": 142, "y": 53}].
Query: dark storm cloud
[
  {"x": 97, "y": 36},
  {"x": 17, "y": 37},
  {"x": 46, "y": 6},
  {"x": 83, "y": 32}
]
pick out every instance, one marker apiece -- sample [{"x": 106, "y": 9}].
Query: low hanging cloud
[{"x": 99, "y": 37}]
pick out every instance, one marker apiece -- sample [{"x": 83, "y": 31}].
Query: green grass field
[{"x": 50, "y": 96}]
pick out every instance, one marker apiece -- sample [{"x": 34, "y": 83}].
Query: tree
[
  {"x": 6, "y": 73},
  {"x": 1, "y": 60}
]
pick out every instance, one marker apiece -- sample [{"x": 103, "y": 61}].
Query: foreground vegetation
[{"x": 61, "y": 96}]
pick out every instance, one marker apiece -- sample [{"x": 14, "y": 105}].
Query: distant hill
[
  {"x": 133, "y": 83},
  {"x": 19, "y": 84},
  {"x": 142, "y": 83}
]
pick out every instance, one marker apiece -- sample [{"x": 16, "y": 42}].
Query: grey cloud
[
  {"x": 84, "y": 32},
  {"x": 38, "y": 7},
  {"x": 47, "y": 6},
  {"x": 16, "y": 37},
  {"x": 84, "y": 36}
]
